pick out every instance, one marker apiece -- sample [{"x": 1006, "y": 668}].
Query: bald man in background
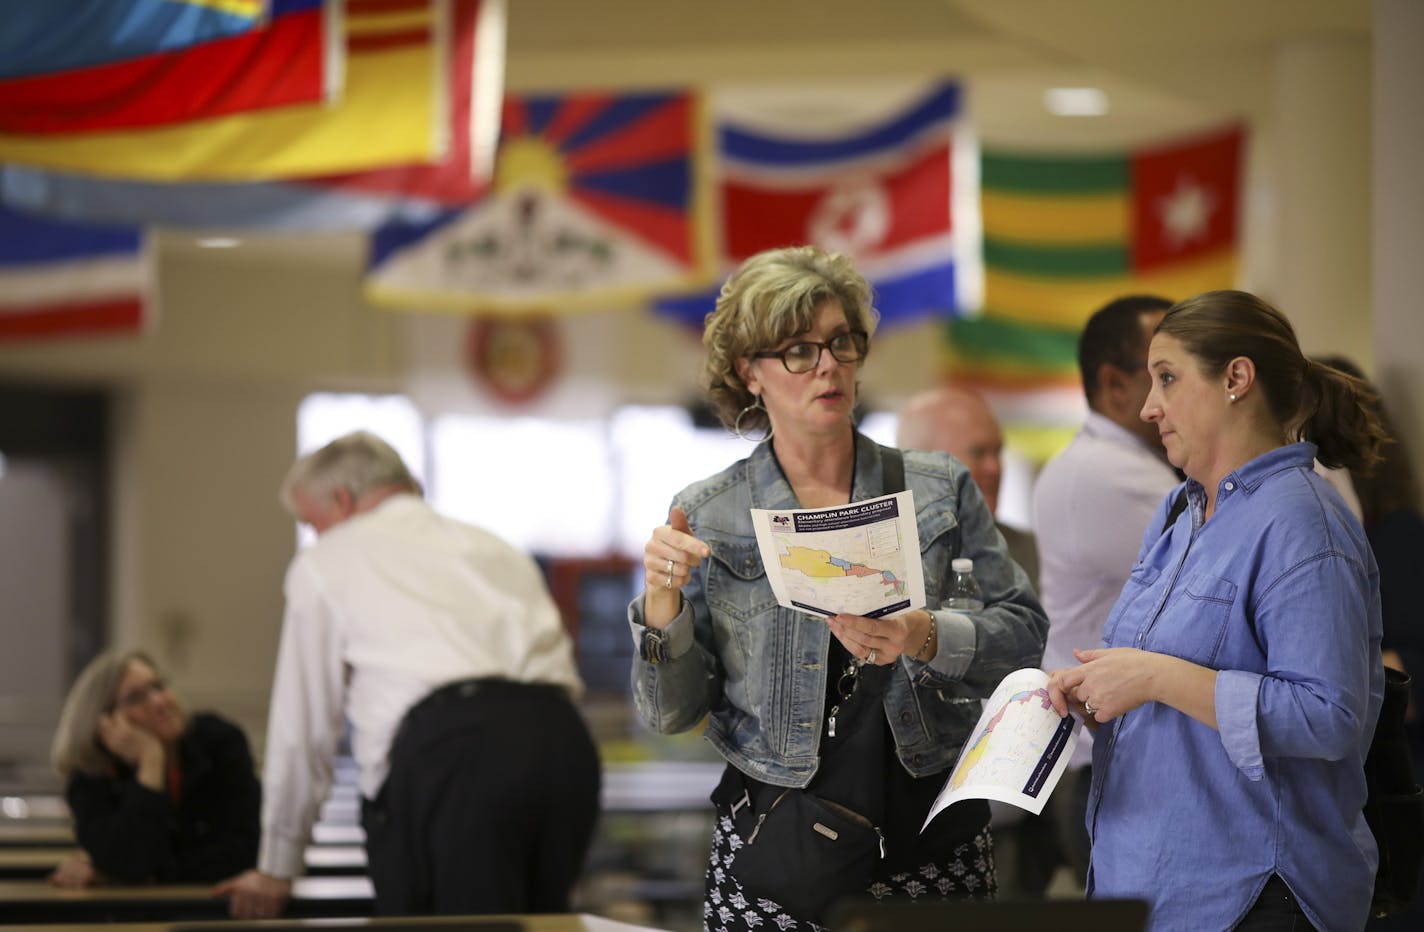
[{"x": 959, "y": 421}]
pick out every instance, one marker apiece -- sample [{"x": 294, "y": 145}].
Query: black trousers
[
  {"x": 489, "y": 806},
  {"x": 1276, "y": 910}
]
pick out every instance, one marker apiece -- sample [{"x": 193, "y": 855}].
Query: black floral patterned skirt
[{"x": 966, "y": 873}]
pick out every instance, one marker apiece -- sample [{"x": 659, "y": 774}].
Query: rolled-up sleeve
[{"x": 1235, "y": 699}]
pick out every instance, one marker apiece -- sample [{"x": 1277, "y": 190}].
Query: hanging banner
[
  {"x": 63, "y": 279},
  {"x": 413, "y": 192},
  {"x": 293, "y": 58},
  {"x": 880, "y": 191},
  {"x": 594, "y": 204},
  {"x": 392, "y": 111}
]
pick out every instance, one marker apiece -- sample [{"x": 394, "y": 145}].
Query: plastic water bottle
[{"x": 964, "y": 592}]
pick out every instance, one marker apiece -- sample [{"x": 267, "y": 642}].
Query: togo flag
[{"x": 880, "y": 191}]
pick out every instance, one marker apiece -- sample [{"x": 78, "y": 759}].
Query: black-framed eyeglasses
[{"x": 805, "y": 355}]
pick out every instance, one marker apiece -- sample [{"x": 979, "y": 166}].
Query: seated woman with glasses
[
  {"x": 866, "y": 715},
  {"x": 157, "y": 796}
]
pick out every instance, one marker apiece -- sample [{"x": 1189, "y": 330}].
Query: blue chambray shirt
[{"x": 1280, "y": 593}]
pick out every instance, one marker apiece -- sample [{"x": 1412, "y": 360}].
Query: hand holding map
[
  {"x": 856, "y": 559},
  {"x": 1017, "y": 751}
]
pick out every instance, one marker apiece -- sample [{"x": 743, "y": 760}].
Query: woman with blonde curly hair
[{"x": 855, "y": 719}]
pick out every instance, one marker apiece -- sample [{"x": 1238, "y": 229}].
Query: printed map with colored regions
[
  {"x": 1017, "y": 751},
  {"x": 1012, "y": 734},
  {"x": 864, "y": 572},
  {"x": 820, "y": 564},
  {"x": 857, "y": 559}
]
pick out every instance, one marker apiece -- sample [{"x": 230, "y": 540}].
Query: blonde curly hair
[{"x": 772, "y": 296}]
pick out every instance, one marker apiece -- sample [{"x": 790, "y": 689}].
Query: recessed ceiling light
[
  {"x": 1075, "y": 101},
  {"x": 219, "y": 242}
]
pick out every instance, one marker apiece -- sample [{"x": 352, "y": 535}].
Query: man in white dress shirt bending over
[
  {"x": 1091, "y": 506},
  {"x": 440, "y": 644}
]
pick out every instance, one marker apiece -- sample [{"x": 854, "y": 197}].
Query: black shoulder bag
[
  {"x": 802, "y": 849},
  {"x": 1394, "y": 803}
]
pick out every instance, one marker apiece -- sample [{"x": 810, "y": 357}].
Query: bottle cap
[{"x": 962, "y": 565}]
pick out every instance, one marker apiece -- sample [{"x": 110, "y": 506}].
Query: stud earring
[{"x": 1232, "y": 396}]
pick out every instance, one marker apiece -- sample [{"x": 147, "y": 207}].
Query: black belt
[{"x": 492, "y": 685}]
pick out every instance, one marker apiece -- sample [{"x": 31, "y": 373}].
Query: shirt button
[
  {"x": 1229, "y": 486},
  {"x": 905, "y": 718}
]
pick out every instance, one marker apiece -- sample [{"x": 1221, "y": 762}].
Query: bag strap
[
  {"x": 892, "y": 461},
  {"x": 1179, "y": 505}
]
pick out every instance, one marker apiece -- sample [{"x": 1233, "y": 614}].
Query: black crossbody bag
[{"x": 800, "y": 848}]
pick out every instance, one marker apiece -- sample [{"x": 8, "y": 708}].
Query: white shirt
[
  {"x": 383, "y": 608},
  {"x": 1091, "y": 505}
]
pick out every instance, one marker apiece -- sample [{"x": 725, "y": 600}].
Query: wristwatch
[{"x": 653, "y": 645}]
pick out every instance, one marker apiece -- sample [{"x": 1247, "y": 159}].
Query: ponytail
[{"x": 1341, "y": 417}]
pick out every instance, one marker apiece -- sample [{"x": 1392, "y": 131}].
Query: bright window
[
  {"x": 659, "y": 452},
  {"x": 545, "y": 486}
]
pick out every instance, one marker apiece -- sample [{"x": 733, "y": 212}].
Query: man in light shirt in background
[
  {"x": 441, "y": 646},
  {"x": 1091, "y": 506}
]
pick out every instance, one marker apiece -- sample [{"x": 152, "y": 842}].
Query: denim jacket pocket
[
  {"x": 1142, "y": 578},
  {"x": 939, "y": 544},
  {"x": 736, "y": 580}
]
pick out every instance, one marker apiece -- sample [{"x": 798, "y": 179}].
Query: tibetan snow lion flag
[
  {"x": 593, "y": 204},
  {"x": 291, "y": 58},
  {"x": 66, "y": 279},
  {"x": 880, "y": 191}
]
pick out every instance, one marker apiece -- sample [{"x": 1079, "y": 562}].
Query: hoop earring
[{"x": 737, "y": 424}]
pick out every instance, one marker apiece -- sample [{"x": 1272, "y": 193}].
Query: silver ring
[
  {"x": 1088, "y": 707},
  {"x": 870, "y": 657}
]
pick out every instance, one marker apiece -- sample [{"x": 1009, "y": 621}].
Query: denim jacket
[{"x": 758, "y": 670}]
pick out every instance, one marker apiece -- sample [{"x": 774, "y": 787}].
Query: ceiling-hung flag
[
  {"x": 1064, "y": 234},
  {"x": 392, "y": 111},
  {"x": 414, "y": 193},
  {"x": 293, "y": 58},
  {"x": 880, "y": 191},
  {"x": 42, "y": 36},
  {"x": 595, "y": 203},
  {"x": 63, "y": 279}
]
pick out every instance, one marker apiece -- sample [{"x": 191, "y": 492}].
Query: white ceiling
[{"x": 1167, "y": 65}]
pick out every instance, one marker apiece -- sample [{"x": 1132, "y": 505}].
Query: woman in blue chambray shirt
[
  {"x": 867, "y": 713},
  {"x": 1240, "y": 677}
]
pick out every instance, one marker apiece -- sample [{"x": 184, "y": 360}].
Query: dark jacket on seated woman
[{"x": 201, "y": 830}]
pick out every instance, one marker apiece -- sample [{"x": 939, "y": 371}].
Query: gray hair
[
  {"x": 76, "y": 747},
  {"x": 358, "y": 462},
  {"x": 774, "y": 295}
]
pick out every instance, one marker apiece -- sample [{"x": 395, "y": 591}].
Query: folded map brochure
[
  {"x": 1018, "y": 750},
  {"x": 856, "y": 559}
]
